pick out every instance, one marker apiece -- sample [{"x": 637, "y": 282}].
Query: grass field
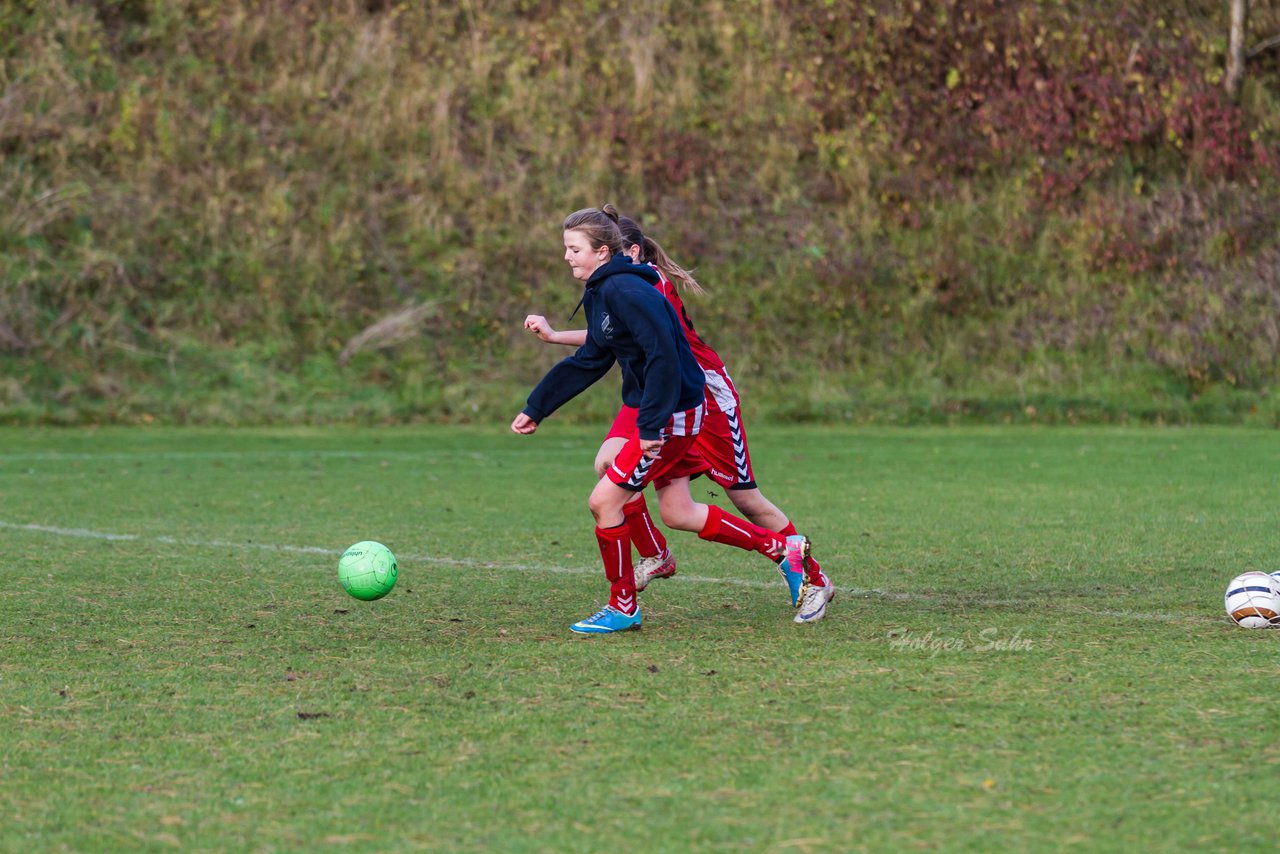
[{"x": 1029, "y": 651}]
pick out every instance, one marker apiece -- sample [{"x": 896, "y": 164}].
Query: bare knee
[
  {"x": 606, "y": 503},
  {"x": 598, "y": 507},
  {"x": 671, "y": 518},
  {"x": 682, "y": 514}
]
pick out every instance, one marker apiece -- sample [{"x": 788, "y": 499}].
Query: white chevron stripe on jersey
[
  {"x": 739, "y": 446},
  {"x": 636, "y": 478}
]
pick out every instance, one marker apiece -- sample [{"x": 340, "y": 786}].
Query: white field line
[
  {"x": 84, "y": 533},
  {"x": 862, "y": 593}
]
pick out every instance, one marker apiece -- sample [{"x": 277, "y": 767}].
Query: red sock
[
  {"x": 615, "y": 549},
  {"x": 645, "y": 536},
  {"x": 726, "y": 528},
  {"x": 813, "y": 572}
]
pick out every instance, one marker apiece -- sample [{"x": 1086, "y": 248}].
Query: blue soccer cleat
[
  {"x": 792, "y": 566},
  {"x": 608, "y": 619}
]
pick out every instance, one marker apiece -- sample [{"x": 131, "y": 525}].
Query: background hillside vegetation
[{"x": 242, "y": 211}]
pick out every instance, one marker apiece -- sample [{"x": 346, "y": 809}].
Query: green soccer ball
[{"x": 368, "y": 570}]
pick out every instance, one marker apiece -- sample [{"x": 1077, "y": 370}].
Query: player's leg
[
  {"x": 679, "y": 510},
  {"x": 805, "y": 571},
  {"x": 677, "y": 507},
  {"x": 606, "y": 504},
  {"x": 627, "y": 475},
  {"x": 755, "y": 506},
  {"x": 801, "y": 571},
  {"x": 752, "y": 504},
  {"x": 609, "y": 449},
  {"x": 723, "y": 443},
  {"x": 649, "y": 541},
  {"x": 815, "y": 596},
  {"x": 656, "y": 560}
]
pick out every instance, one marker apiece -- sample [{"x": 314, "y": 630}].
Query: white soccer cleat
[
  {"x": 814, "y": 601},
  {"x": 659, "y": 566}
]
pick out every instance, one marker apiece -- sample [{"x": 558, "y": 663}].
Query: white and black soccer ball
[{"x": 1253, "y": 600}]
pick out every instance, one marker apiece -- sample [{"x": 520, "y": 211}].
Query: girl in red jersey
[
  {"x": 721, "y": 442},
  {"x": 630, "y": 324}
]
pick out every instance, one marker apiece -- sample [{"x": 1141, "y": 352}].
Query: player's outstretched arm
[{"x": 538, "y": 325}]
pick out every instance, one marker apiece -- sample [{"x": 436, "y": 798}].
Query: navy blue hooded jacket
[{"x": 630, "y": 322}]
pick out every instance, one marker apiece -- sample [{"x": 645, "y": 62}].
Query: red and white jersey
[{"x": 721, "y": 393}]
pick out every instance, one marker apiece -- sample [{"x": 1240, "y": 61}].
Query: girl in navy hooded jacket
[{"x": 631, "y": 323}]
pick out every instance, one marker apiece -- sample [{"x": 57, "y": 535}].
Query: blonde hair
[
  {"x": 652, "y": 253},
  {"x": 598, "y": 226},
  {"x": 655, "y": 254}
]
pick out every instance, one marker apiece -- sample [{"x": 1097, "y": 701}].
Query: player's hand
[
  {"x": 651, "y": 448},
  {"x": 537, "y": 324},
  {"x": 523, "y": 424}
]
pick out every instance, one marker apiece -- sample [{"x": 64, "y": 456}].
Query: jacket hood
[
  {"x": 622, "y": 264},
  {"x": 617, "y": 264}
]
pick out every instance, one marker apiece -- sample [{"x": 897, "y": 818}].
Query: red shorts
[
  {"x": 632, "y": 470},
  {"x": 721, "y": 446},
  {"x": 624, "y": 424}
]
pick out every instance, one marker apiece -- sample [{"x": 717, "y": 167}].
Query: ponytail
[
  {"x": 652, "y": 253},
  {"x": 656, "y": 255}
]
